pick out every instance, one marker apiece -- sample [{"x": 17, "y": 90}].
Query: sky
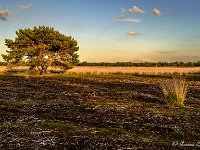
[{"x": 112, "y": 30}]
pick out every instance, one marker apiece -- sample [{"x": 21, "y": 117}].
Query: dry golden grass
[
  {"x": 107, "y": 70},
  {"x": 140, "y": 70},
  {"x": 2, "y": 68},
  {"x": 175, "y": 91}
]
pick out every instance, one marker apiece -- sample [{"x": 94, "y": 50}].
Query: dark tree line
[{"x": 143, "y": 64}]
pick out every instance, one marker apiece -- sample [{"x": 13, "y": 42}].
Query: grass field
[
  {"x": 91, "y": 111},
  {"x": 124, "y": 70},
  {"x": 140, "y": 70}
]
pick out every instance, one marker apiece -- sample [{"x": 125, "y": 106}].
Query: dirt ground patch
[{"x": 95, "y": 112}]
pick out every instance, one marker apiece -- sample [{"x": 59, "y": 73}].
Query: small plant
[
  {"x": 62, "y": 126},
  {"x": 177, "y": 134},
  {"x": 175, "y": 91},
  {"x": 193, "y": 134}
]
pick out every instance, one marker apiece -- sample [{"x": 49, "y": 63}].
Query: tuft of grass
[
  {"x": 175, "y": 91},
  {"x": 61, "y": 126},
  {"x": 177, "y": 134},
  {"x": 193, "y": 134}
]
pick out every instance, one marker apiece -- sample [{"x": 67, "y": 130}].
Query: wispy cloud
[
  {"x": 169, "y": 52},
  {"x": 124, "y": 11},
  {"x": 121, "y": 17},
  {"x": 165, "y": 52},
  {"x": 125, "y": 17},
  {"x": 132, "y": 33},
  {"x": 4, "y": 13},
  {"x": 136, "y": 9},
  {"x": 128, "y": 19},
  {"x": 156, "y": 12},
  {"x": 25, "y": 7}
]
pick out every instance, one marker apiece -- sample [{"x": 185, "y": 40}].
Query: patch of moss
[
  {"x": 61, "y": 126},
  {"x": 111, "y": 130}
]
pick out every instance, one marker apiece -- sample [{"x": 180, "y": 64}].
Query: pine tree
[{"x": 42, "y": 47}]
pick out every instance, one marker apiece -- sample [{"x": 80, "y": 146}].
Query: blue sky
[{"x": 113, "y": 30}]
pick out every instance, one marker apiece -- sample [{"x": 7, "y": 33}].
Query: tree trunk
[
  {"x": 40, "y": 70},
  {"x": 32, "y": 67},
  {"x": 45, "y": 69}
]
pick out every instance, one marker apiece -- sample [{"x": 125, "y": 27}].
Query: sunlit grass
[
  {"x": 135, "y": 70},
  {"x": 95, "y": 70},
  {"x": 175, "y": 91}
]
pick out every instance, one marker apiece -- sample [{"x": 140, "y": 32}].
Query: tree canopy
[{"x": 42, "y": 47}]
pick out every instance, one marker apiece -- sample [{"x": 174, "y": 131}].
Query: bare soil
[{"x": 106, "y": 112}]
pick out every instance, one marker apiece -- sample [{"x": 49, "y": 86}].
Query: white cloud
[
  {"x": 4, "y": 13},
  {"x": 25, "y": 7},
  {"x": 132, "y": 33},
  {"x": 136, "y": 9},
  {"x": 156, "y": 12}
]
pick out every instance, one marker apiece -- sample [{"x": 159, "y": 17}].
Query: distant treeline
[{"x": 143, "y": 64}]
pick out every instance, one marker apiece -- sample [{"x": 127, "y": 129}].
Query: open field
[
  {"x": 140, "y": 70},
  {"x": 110, "y": 70},
  {"x": 75, "y": 111}
]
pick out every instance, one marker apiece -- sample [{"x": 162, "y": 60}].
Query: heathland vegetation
[
  {"x": 98, "y": 111},
  {"x": 119, "y": 105}
]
